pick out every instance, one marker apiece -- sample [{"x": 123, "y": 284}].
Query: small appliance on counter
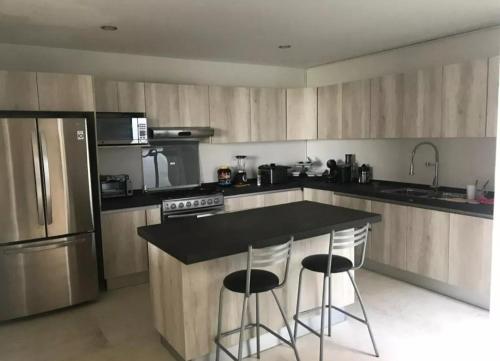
[
  {"x": 224, "y": 176},
  {"x": 364, "y": 174},
  {"x": 113, "y": 186},
  {"x": 273, "y": 174},
  {"x": 332, "y": 170},
  {"x": 240, "y": 178},
  {"x": 302, "y": 169}
]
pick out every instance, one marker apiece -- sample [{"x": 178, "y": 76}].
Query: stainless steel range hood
[{"x": 163, "y": 133}]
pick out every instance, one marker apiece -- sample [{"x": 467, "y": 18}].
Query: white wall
[{"x": 146, "y": 68}]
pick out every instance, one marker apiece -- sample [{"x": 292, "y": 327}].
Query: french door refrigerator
[{"x": 47, "y": 247}]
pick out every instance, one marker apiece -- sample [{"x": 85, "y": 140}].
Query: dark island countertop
[
  {"x": 192, "y": 240},
  {"x": 372, "y": 191}
]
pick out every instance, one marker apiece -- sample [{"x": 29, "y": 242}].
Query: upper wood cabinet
[
  {"x": 386, "y": 111},
  {"x": 470, "y": 253},
  {"x": 388, "y": 242},
  {"x": 162, "y": 104},
  {"x": 492, "y": 108},
  {"x": 427, "y": 243},
  {"x": 65, "y": 92},
  {"x": 422, "y": 103},
  {"x": 193, "y": 105},
  {"x": 330, "y": 112},
  {"x": 464, "y": 99},
  {"x": 18, "y": 91},
  {"x": 230, "y": 114},
  {"x": 356, "y": 109},
  {"x": 301, "y": 113},
  {"x": 268, "y": 114},
  {"x": 119, "y": 96}
]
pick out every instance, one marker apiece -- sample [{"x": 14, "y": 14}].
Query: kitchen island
[{"x": 189, "y": 258}]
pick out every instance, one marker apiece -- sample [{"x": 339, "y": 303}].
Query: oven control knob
[
  {"x": 209, "y": 201},
  {"x": 203, "y": 202},
  {"x": 216, "y": 200},
  {"x": 195, "y": 203},
  {"x": 165, "y": 205},
  {"x": 172, "y": 206},
  {"x": 188, "y": 204},
  {"x": 181, "y": 205}
]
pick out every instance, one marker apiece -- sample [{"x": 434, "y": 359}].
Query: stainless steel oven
[
  {"x": 195, "y": 206},
  {"x": 121, "y": 129}
]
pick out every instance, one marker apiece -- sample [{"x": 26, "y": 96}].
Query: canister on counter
[{"x": 224, "y": 176}]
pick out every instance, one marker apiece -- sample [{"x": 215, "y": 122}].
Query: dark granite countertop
[
  {"x": 368, "y": 191},
  {"x": 192, "y": 240}
]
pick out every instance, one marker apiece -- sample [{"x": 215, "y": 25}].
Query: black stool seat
[
  {"x": 319, "y": 263},
  {"x": 260, "y": 281}
]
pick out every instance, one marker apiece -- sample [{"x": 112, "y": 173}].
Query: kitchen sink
[{"x": 423, "y": 193}]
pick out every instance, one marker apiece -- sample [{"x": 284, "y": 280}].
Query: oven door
[
  {"x": 204, "y": 213},
  {"x": 121, "y": 130}
]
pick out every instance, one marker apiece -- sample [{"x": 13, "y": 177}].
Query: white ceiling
[{"x": 245, "y": 31}]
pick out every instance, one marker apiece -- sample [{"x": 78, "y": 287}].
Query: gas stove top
[{"x": 194, "y": 200}]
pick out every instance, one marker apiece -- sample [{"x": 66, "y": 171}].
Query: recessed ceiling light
[
  {"x": 109, "y": 28},
  {"x": 286, "y": 46}
]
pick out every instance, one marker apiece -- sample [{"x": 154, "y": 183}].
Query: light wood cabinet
[
  {"x": 317, "y": 195},
  {"x": 119, "y": 96},
  {"x": 422, "y": 103},
  {"x": 427, "y": 243},
  {"x": 106, "y": 95},
  {"x": 124, "y": 252},
  {"x": 162, "y": 104},
  {"x": 268, "y": 114},
  {"x": 301, "y": 114},
  {"x": 65, "y": 92},
  {"x": 18, "y": 91},
  {"x": 356, "y": 109},
  {"x": 330, "y": 112},
  {"x": 193, "y": 105},
  {"x": 386, "y": 111},
  {"x": 241, "y": 203},
  {"x": 388, "y": 242},
  {"x": 470, "y": 253},
  {"x": 464, "y": 99},
  {"x": 230, "y": 114},
  {"x": 492, "y": 105},
  {"x": 275, "y": 198},
  {"x": 352, "y": 202},
  {"x": 153, "y": 216}
]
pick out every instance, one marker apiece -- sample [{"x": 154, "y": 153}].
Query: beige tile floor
[{"x": 410, "y": 324}]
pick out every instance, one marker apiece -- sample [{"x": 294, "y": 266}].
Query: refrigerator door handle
[
  {"x": 46, "y": 173},
  {"x": 30, "y": 247},
  {"x": 38, "y": 179}
]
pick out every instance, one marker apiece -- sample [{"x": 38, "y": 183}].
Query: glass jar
[{"x": 224, "y": 176}]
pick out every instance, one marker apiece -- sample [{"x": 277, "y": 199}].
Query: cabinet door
[
  {"x": 470, "y": 252},
  {"x": 106, "y": 95},
  {"x": 193, "y": 105},
  {"x": 492, "y": 105},
  {"x": 65, "y": 92},
  {"x": 131, "y": 97},
  {"x": 386, "y": 113},
  {"x": 153, "y": 216},
  {"x": 162, "y": 104},
  {"x": 356, "y": 109},
  {"x": 428, "y": 243},
  {"x": 317, "y": 195},
  {"x": 388, "y": 243},
  {"x": 18, "y": 91},
  {"x": 268, "y": 114},
  {"x": 124, "y": 252},
  {"x": 352, "y": 202},
  {"x": 230, "y": 114},
  {"x": 330, "y": 112},
  {"x": 423, "y": 91},
  {"x": 301, "y": 113},
  {"x": 243, "y": 202},
  {"x": 464, "y": 99},
  {"x": 275, "y": 198}
]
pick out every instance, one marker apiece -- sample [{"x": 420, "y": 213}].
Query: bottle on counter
[{"x": 259, "y": 178}]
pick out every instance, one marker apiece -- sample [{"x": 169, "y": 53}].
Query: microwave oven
[{"x": 121, "y": 129}]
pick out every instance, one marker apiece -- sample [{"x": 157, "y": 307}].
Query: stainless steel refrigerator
[{"x": 47, "y": 246}]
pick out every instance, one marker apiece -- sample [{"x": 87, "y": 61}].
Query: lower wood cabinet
[
  {"x": 388, "y": 243},
  {"x": 124, "y": 252},
  {"x": 317, "y": 195},
  {"x": 427, "y": 243},
  {"x": 244, "y": 202}
]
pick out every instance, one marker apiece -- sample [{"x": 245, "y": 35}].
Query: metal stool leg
[
  {"x": 364, "y": 313},
  {"x": 292, "y": 340},
  {"x": 257, "y": 323},
  {"x": 322, "y": 331},
  {"x": 242, "y": 328},
  {"x": 330, "y": 306},
  {"x": 296, "y": 326},
  {"x": 219, "y": 325}
]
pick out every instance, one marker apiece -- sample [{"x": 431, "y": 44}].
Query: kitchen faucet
[{"x": 435, "y": 181}]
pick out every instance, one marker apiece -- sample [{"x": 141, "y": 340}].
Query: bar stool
[
  {"x": 321, "y": 263},
  {"x": 255, "y": 281}
]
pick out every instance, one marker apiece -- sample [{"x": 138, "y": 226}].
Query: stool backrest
[
  {"x": 268, "y": 257},
  {"x": 350, "y": 238}
]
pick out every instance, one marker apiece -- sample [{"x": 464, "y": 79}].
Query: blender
[{"x": 240, "y": 178}]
